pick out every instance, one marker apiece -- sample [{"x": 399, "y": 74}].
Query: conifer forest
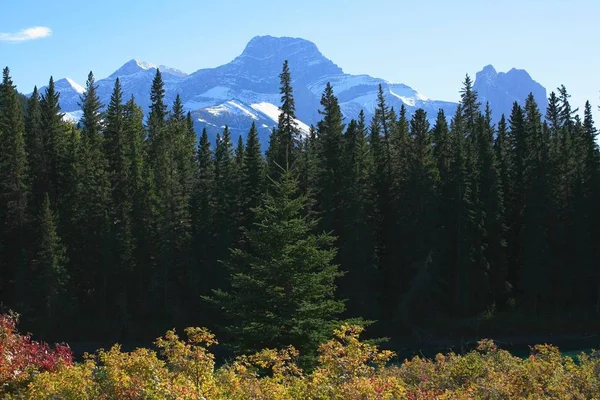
[{"x": 129, "y": 223}]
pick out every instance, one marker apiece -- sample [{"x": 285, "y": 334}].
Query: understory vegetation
[{"x": 347, "y": 369}]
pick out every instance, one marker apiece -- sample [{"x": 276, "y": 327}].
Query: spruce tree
[
  {"x": 89, "y": 248},
  {"x": 357, "y": 255},
  {"x": 420, "y": 205},
  {"x": 224, "y": 192},
  {"x": 13, "y": 186},
  {"x": 49, "y": 265},
  {"x": 34, "y": 142},
  {"x": 492, "y": 203},
  {"x": 253, "y": 177},
  {"x": 285, "y": 139},
  {"x": 384, "y": 222},
  {"x": 283, "y": 284},
  {"x": 119, "y": 158},
  {"x": 515, "y": 197},
  {"x": 536, "y": 250},
  {"x": 329, "y": 178},
  {"x": 142, "y": 195},
  {"x": 203, "y": 218}
]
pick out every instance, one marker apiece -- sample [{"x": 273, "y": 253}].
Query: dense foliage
[
  {"x": 347, "y": 368},
  {"x": 123, "y": 225}
]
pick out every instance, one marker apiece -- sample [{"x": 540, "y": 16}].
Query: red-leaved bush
[{"x": 21, "y": 358}]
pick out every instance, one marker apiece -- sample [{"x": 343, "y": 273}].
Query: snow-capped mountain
[
  {"x": 502, "y": 89},
  {"x": 246, "y": 90}
]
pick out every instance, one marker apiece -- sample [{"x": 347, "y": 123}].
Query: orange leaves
[{"x": 348, "y": 369}]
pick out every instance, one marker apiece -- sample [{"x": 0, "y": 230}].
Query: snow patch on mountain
[
  {"x": 231, "y": 107},
  {"x": 273, "y": 112},
  {"x": 78, "y": 88},
  {"x": 72, "y": 116}
]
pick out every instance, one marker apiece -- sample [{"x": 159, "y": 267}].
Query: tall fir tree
[
  {"x": 49, "y": 264},
  {"x": 285, "y": 140},
  {"x": 203, "y": 208},
  {"x": 492, "y": 203},
  {"x": 119, "y": 156},
  {"x": 515, "y": 197},
  {"x": 13, "y": 187},
  {"x": 357, "y": 255},
  {"x": 420, "y": 205},
  {"x": 536, "y": 250},
  {"x": 253, "y": 177},
  {"x": 329, "y": 177},
  {"x": 89, "y": 248},
  {"x": 283, "y": 285},
  {"x": 225, "y": 195}
]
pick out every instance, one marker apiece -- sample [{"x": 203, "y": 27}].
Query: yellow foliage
[{"x": 348, "y": 369}]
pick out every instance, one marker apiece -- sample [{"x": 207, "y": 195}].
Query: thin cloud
[{"x": 36, "y": 32}]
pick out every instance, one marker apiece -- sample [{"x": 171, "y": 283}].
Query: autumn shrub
[
  {"x": 22, "y": 358},
  {"x": 347, "y": 368}
]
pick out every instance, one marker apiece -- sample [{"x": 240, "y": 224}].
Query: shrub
[
  {"x": 347, "y": 368},
  {"x": 22, "y": 358}
]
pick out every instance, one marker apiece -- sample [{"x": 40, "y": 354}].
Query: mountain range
[{"x": 247, "y": 88}]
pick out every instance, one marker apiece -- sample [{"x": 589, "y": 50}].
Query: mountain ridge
[{"x": 247, "y": 88}]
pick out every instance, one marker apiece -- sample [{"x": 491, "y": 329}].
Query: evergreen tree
[
  {"x": 285, "y": 140},
  {"x": 470, "y": 284},
  {"x": 118, "y": 150},
  {"x": 141, "y": 192},
  {"x": 224, "y": 192},
  {"x": 88, "y": 237},
  {"x": 253, "y": 178},
  {"x": 470, "y": 106},
  {"x": 357, "y": 255},
  {"x": 283, "y": 284},
  {"x": 536, "y": 256},
  {"x": 490, "y": 195},
  {"x": 384, "y": 223},
  {"x": 203, "y": 208},
  {"x": 587, "y": 194},
  {"x": 515, "y": 197},
  {"x": 13, "y": 187},
  {"x": 329, "y": 178},
  {"x": 49, "y": 264},
  {"x": 420, "y": 204},
  {"x": 34, "y": 143}
]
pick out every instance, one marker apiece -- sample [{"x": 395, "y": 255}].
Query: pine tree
[
  {"x": 308, "y": 169},
  {"x": 120, "y": 171},
  {"x": 285, "y": 139},
  {"x": 329, "y": 178},
  {"x": 357, "y": 255},
  {"x": 470, "y": 283},
  {"x": 89, "y": 248},
  {"x": 253, "y": 178},
  {"x": 384, "y": 222},
  {"x": 420, "y": 205},
  {"x": 490, "y": 195},
  {"x": 13, "y": 187},
  {"x": 203, "y": 218},
  {"x": 283, "y": 284},
  {"x": 515, "y": 196},
  {"x": 536, "y": 256},
  {"x": 142, "y": 195},
  {"x": 49, "y": 264},
  {"x": 586, "y": 196},
  {"x": 34, "y": 143},
  {"x": 470, "y": 106},
  {"x": 224, "y": 192}
]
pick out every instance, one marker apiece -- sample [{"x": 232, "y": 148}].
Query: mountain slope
[{"x": 247, "y": 88}]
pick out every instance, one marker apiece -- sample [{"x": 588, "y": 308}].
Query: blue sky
[{"x": 429, "y": 45}]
